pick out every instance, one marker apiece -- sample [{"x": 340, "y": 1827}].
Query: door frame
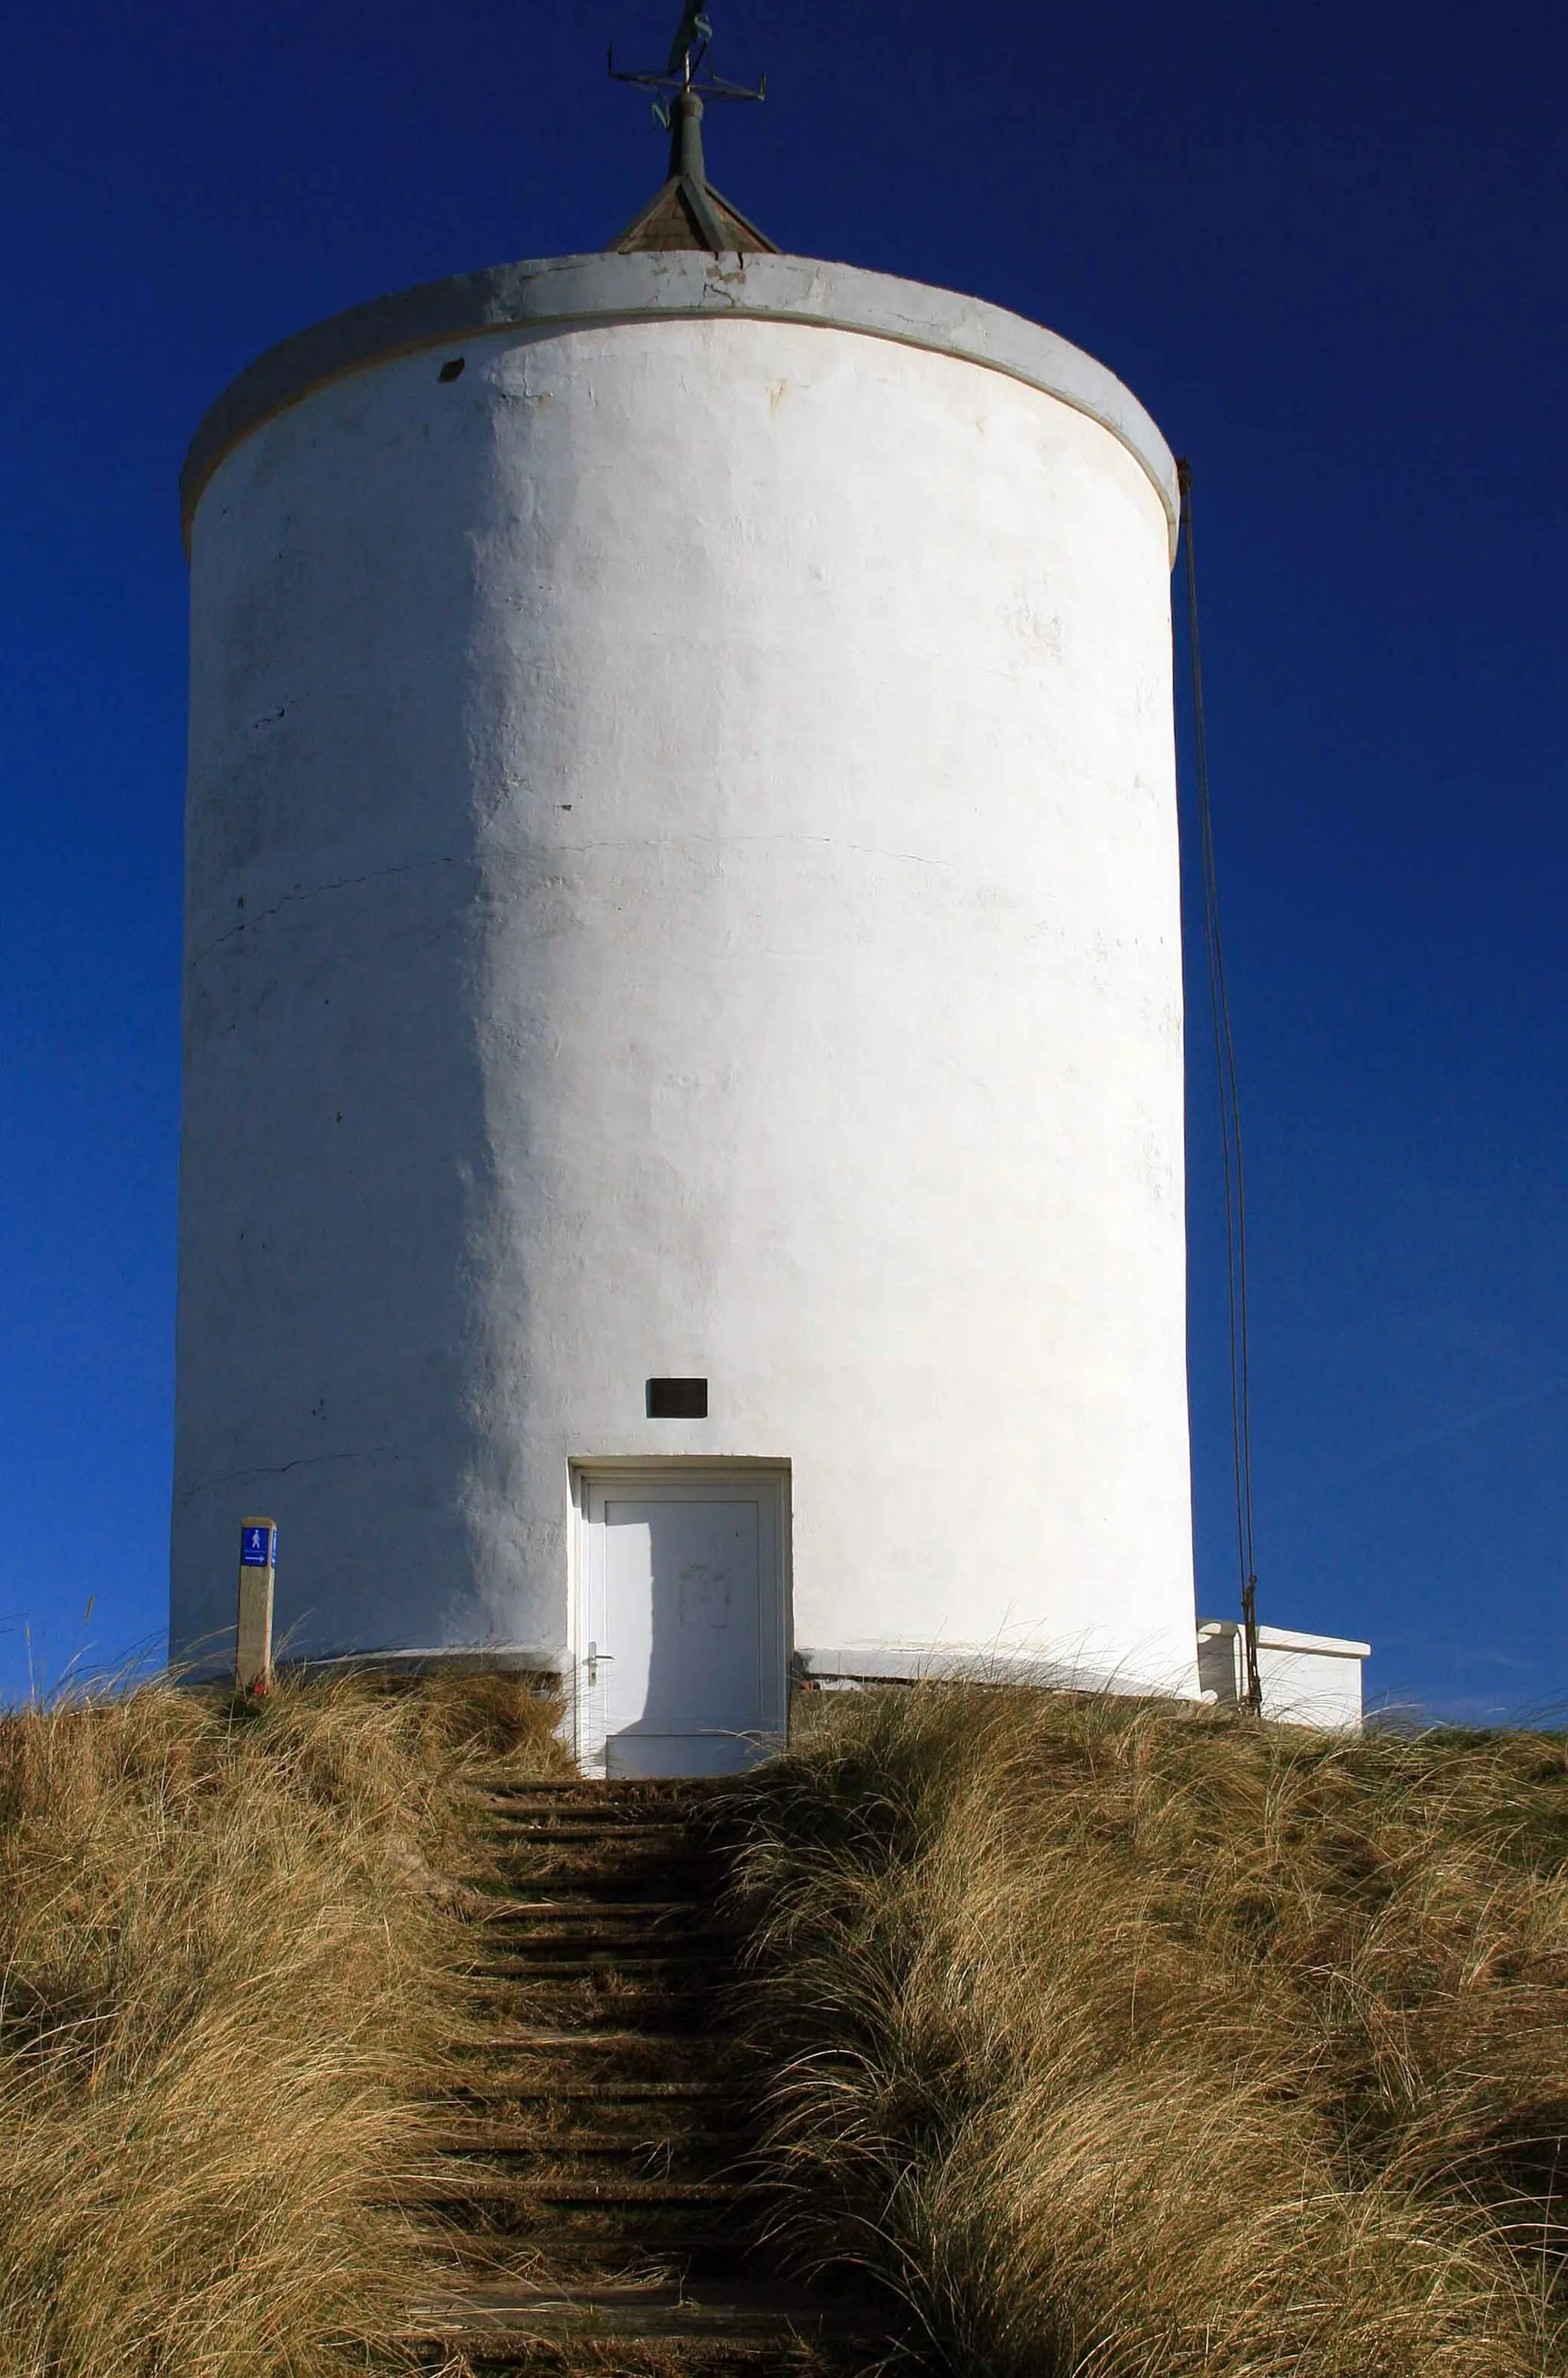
[{"x": 584, "y": 1715}]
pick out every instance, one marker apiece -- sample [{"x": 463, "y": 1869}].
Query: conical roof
[{"x": 685, "y": 212}]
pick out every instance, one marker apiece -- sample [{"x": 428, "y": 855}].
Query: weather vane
[
  {"x": 683, "y": 71},
  {"x": 687, "y": 211}
]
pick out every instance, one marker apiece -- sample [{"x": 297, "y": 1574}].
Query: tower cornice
[{"x": 558, "y": 292}]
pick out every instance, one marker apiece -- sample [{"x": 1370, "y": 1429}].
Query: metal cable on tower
[{"x": 1230, "y": 1128}]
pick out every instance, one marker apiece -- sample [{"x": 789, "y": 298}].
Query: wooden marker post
[{"x": 253, "y": 1636}]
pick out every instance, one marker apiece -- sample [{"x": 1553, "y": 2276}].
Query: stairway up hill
[{"x": 595, "y": 2200}]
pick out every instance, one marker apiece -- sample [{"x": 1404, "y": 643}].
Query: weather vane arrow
[{"x": 683, "y": 69}]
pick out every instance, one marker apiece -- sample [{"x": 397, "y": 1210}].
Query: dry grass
[
  {"x": 225, "y": 1964},
  {"x": 1127, "y": 2045},
  {"x": 1124, "y": 2045}
]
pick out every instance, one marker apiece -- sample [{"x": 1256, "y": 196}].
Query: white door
[{"x": 681, "y": 1652}]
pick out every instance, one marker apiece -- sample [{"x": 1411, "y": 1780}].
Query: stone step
[
  {"x": 554, "y": 1904},
  {"x": 609, "y": 1884},
  {"x": 638, "y": 1794},
  {"x": 520, "y": 1808},
  {"x": 593, "y": 2242},
  {"x": 628, "y": 1825},
  {"x": 688, "y": 1790},
  {"x": 569, "y": 1960},
  {"x": 565, "y": 2141},
  {"x": 527, "y": 1855},
  {"x": 658, "y": 2309},
  {"x": 590, "y": 2246},
  {"x": 610, "y": 1944},
  {"x": 682, "y": 2018},
  {"x": 542, "y": 2121},
  {"x": 510, "y": 1838},
  {"x": 540, "y": 1901},
  {"x": 528, "y": 2039},
  {"x": 575, "y": 1869},
  {"x": 682, "y": 1927},
  {"x": 501, "y": 2090},
  {"x": 615, "y": 1885},
  {"x": 662, "y": 1873},
  {"x": 482, "y": 2184},
  {"x": 632, "y": 1825},
  {"x": 594, "y": 1967},
  {"x": 575, "y": 2353},
  {"x": 681, "y": 2067},
  {"x": 505, "y": 1833},
  {"x": 677, "y": 1926}
]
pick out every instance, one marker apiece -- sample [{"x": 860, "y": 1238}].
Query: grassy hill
[
  {"x": 1122, "y": 2043},
  {"x": 227, "y": 1957},
  {"x": 1130, "y": 2042}
]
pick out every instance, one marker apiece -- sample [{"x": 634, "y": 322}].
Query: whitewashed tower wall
[{"x": 683, "y": 879}]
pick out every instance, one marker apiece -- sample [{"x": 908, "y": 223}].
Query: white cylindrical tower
[{"x": 682, "y": 884}]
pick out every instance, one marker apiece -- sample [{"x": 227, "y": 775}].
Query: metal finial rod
[{"x": 685, "y": 137}]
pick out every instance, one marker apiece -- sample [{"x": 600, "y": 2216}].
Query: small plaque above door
[{"x": 677, "y": 1398}]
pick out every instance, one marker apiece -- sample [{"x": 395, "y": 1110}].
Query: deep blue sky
[{"x": 1324, "y": 246}]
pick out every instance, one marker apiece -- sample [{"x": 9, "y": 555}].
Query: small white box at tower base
[
  {"x": 253, "y": 1631},
  {"x": 1307, "y": 1679}
]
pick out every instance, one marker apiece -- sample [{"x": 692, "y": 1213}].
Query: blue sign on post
[{"x": 258, "y": 1574}]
